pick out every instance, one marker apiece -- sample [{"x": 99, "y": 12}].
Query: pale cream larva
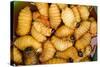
[
  {"x": 62, "y": 6},
  {"x": 82, "y": 29},
  {"x": 38, "y": 36},
  {"x": 83, "y": 42},
  {"x": 76, "y": 13},
  {"x": 54, "y": 15},
  {"x": 68, "y": 53},
  {"x": 24, "y": 21},
  {"x": 28, "y": 41},
  {"x": 64, "y": 31},
  {"x": 68, "y": 18},
  {"x": 84, "y": 12},
  {"x": 48, "y": 51},
  {"x": 16, "y": 55},
  {"x": 43, "y": 8},
  {"x": 93, "y": 27},
  {"x": 60, "y": 44},
  {"x": 41, "y": 28},
  {"x": 86, "y": 53}
]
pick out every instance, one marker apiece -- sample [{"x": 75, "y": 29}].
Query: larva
[
  {"x": 48, "y": 51},
  {"x": 82, "y": 29},
  {"x": 28, "y": 41},
  {"x": 56, "y": 61},
  {"x": 60, "y": 44},
  {"x": 16, "y": 55},
  {"x": 69, "y": 53},
  {"x": 86, "y": 52},
  {"x": 38, "y": 36},
  {"x": 43, "y": 8},
  {"x": 62, "y": 6},
  {"x": 64, "y": 31},
  {"x": 83, "y": 42},
  {"x": 68, "y": 17},
  {"x": 76, "y": 13},
  {"x": 41, "y": 28},
  {"x": 24, "y": 21},
  {"x": 84, "y": 12},
  {"x": 54, "y": 16},
  {"x": 93, "y": 27}
]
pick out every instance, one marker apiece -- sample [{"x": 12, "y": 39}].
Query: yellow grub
[
  {"x": 76, "y": 14},
  {"x": 69, "y": 53},
  {"x": 83, "y": 28},
  {"x": 27, "y": 41},
  {"x": 60, "y": 44},
  {"x": 86, "y": 54},
  {"x": 84, "y": 12},
  {"x": 24, "y": 21},
  {"x": 64, "y": 31},
  {"x": 54, "y": 15},
  {"x": 68, "y": 17},
  {"x": 41, "y": 28},
  {"x": 93, "y": 27},
  {"x": 38, "y": 36},
  {"x": 43, "y": 8},
  {"x": 16, "y": 55},
  {"x": 83, "y": 42},
  {"x": 62, "y": 6},
  {"x": 48, "y": 51}
]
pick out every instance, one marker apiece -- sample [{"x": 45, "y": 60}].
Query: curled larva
[
  {"x": 56, "y": 61},
  {"x": 93, "y": 27},
  {"x": 84, "y": 12},
  {"x": 27, "y": 41},
  {"x": 16, "y": 56},
  {"x": 41, "y": 28},
  {"x": 83, "y": 42},
  {"x": 48, "y": 51},
  {"x": 24, "y": 21},
  {"x": 62, "y": 6},
  {"x": 64, "y": 31},
  {"x": 43, "y": 8},
  {"x": 76, "y": 14},
  {"x": 85, "y": 53},
  {"x": 68, "y": 17},
  {"x": 54, "y": 16},
  {"x": 82, "y": 29},
  {"x": 60, "y": 44},
  {"x": 29, "y": 56},
  {"x": 71, "y": 54},
  {"x": 38, "y": 36}
]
